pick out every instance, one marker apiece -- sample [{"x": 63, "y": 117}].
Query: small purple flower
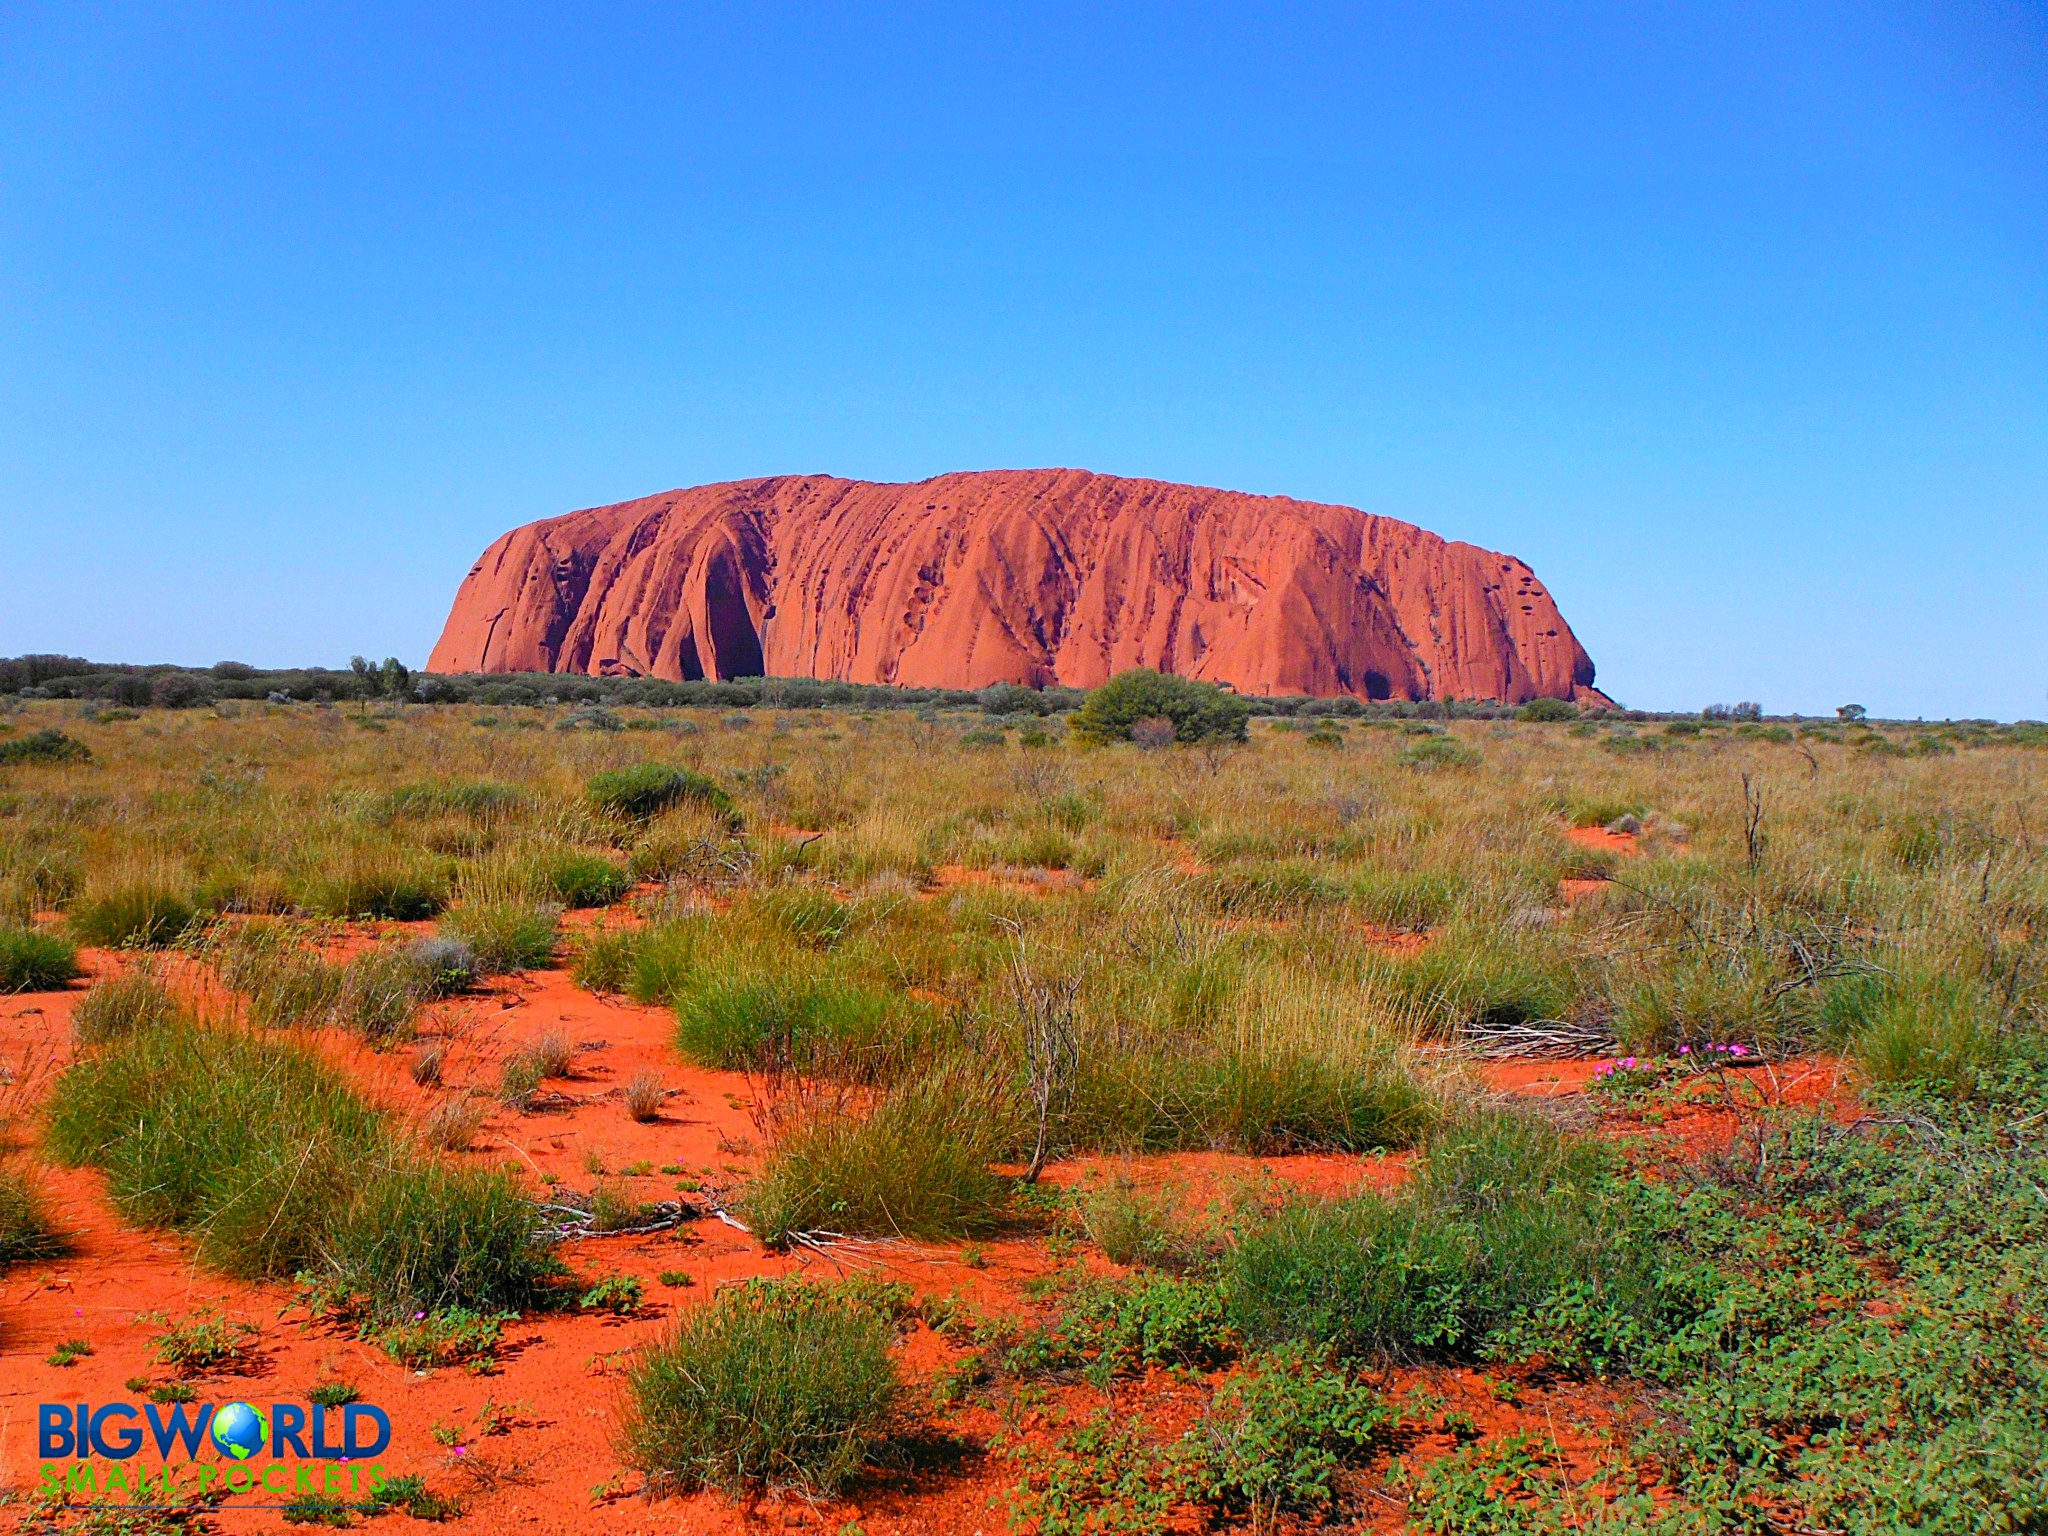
[
  {"x": 1738, "y": 1050},
  {"x": 1683, "y": 1049},
  {"x": 419, "y": 1317}
]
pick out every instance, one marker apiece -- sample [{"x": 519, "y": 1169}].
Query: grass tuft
[{"x": 777, "y": 1386}]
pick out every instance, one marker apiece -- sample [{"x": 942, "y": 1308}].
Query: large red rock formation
[{"x": 1024, "y": 576}]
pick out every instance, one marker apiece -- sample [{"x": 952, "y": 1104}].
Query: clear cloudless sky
[{"x": 1731, "y": 319}]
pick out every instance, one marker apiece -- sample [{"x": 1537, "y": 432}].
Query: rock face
[{"x": 1023, "y": 576}]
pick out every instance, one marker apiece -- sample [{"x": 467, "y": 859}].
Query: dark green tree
[{"x": 1199, "y": 711}]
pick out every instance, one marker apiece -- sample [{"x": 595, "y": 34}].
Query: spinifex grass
[
  {"x": 31, "y": 961},
  {"x": 778, "y": 1386},
  {"x": 262, "y": 1152},
  {"x": 915, "y": 1165}
]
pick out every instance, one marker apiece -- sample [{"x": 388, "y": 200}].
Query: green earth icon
[{"x": 240, "y": 1431}]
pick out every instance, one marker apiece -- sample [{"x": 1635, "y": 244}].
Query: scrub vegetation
[{"x": 986, "y": 964}]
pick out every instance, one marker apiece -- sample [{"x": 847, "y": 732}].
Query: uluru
[{"x": 1038, "y": 577}]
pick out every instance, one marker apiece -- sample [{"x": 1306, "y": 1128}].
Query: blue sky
[{"x": 1732, "y": 320}]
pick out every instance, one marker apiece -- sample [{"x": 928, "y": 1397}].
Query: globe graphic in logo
[{"x": 240, "y": 1431}]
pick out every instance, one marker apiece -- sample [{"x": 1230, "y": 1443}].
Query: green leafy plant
[
  {"x": 1198, "y": 711},
  {"x": 1278, "y": 1431}
]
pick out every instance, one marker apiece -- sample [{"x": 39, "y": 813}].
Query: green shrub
[
  {"x": 578, "y": 880},
  {"x": 119, "y": 1005},
  {"x": 447, "y": 1337},
  {"x": 1507, "y": 1216},
  {"x": 411, "y": 1494},
  {"x": 1440, "y": 752},
  {"x": 1121, "y": 1327},
  {"x": 768, "y": 1386},
  {"x": 445, "y": 797},
  {"x": 247, "y": 1142},
  {"x": 606, "y": 959},
  {"x": 1406, "y": 901},
  {"x": 665, "y": 958},
  {"x": 206, "y": 1340},
  {"x": 285, "y": 984},
  {"x": 422, "y": 1237},
  {"x": 1267, "y": 1102},
  {"x": 738, "y": 1021},
  {"x": 45, "y": 746},
  {"x": 1139, "y": 1228},
  {"x": 145, "y": 913},
  {"x": 1199, "y": 711},
  {"x": 645, "y": 790},
  {"x": 263, "y": 1153},
  {"x": 366, "y": 885},
  {"x": 1601, "y": 810},
  {"x": 1475, "y": 976},
  {"x": 1933, "y": 1031},
  {"x": 1270, "y": 890},
  {"x": 27, "y": 1229},
  {"x": 1277, "y": 1432},
  {"x": 1548, "y": 710},
  {"x": 505, "y": 935},
  {"x": 917, "y": 1166},
  {"x": 378, "y": 993},
  {"x": 34, "y": 962}
]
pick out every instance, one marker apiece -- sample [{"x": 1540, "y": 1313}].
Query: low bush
[
  {"x": 1931, "y": 1030},
  {"x": 1276, "y": 1434},
  {"x": 248, "y": 1142},
  {"x": 644, "y": 1097},
  {"x": 577, "y": 880},
  {"x": 122, "y": 1004},
  {"x": 1143, "y": 1228},
  {"x": 411, "y": 1494},
  {"x": 1407, "y": 901},
  {"x": 645, "y": 790},
  {"x": 779, "y": 1386},
  {"x": 262, "y": 1152},
  {"x": 605, "y": 960},
  {"x": 377, "y": 994},
  {"x": 441, "y": 966},
  {"x": 452, "y": 1124},
  {"x": 1440, "y": 752},
  {"x": 916, "y": 1166},
  {"x": 1121, "y": 1327},
  {"x": 370, "y": 884},
  {"x": 34, "y": 962},
  {"x": 144, "y": 913},
  {"x": 27, "y": 1229},
  {"x": 736, "y": 1020},
  {"x": 505, "y": 935},
  {"x": 1197, "y": 711},
  {"x": 1265, "y": 1102},
  {"x": 1507, "y": 1216},
  {"x": 205, "y": 1341},
  {"x": 422, "y": 1237},
  {"x": 45, "y": 746}
]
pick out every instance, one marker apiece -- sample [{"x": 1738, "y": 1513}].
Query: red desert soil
[
  {"x": 550, "y": 1466},
  {"x": 1022, "y": 576}
]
